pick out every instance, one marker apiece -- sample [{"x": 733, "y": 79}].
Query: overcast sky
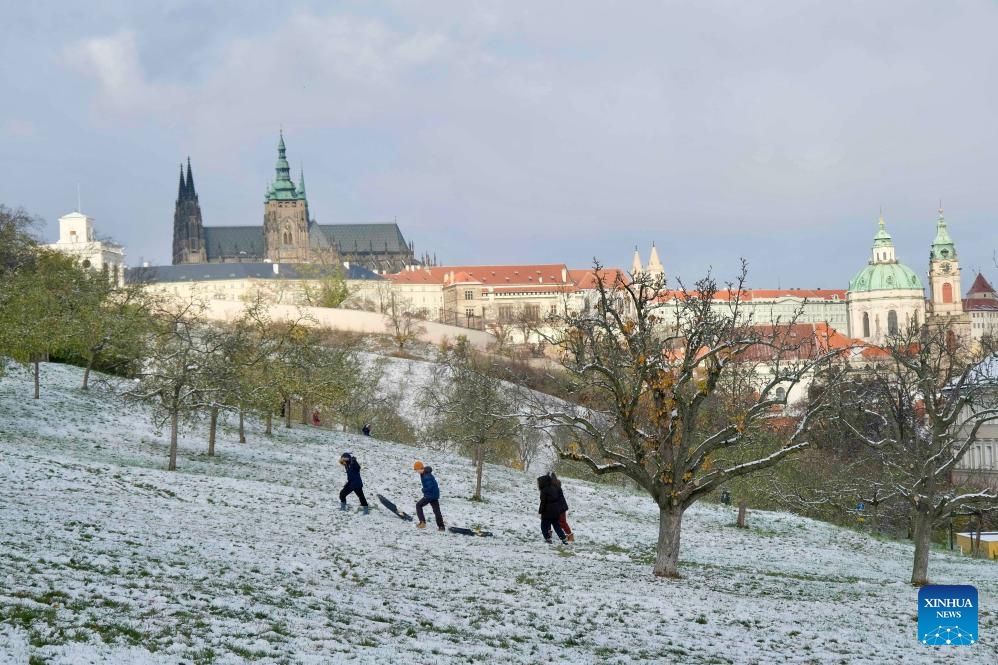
[{"x": 501, "y": 132}]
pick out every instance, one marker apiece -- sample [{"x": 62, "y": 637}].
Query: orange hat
[{"x": 417, "y": 466}]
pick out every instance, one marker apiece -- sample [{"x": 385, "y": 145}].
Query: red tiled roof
[
  {"x": 512, "y": 277},
  {"x": 980, "y": 305},
  {"x": 981, "y": 286},
  {"x": 586, "y": 279},
  {"x": 487, "y": 275}
]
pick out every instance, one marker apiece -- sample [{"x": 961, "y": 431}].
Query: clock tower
[
  {"x": 944, "y": 273},
  {"x": 945, "y": 296}
]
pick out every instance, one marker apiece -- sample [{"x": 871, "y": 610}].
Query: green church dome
[
  {"x": 884, "y": 277},
  {"x": 884, "y": 272}
]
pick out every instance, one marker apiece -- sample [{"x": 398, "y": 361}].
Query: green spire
[
  {"x": 942, "y": 246},
  {"x": 283, "y": 188},
  {"x": 883, "y": 238},
  {"x": 301, "y": 183}
]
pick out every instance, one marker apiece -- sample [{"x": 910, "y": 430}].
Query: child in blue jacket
[
  {"x": 431, "y": 496},
  {"x": 354, "y": 482}
]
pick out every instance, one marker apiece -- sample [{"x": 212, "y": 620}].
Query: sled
[
  {"x": 469, "y": 532},
  {"x": 392, "y": 507}
]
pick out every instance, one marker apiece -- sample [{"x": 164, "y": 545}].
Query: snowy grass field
[{"x": 107, "y": 558}]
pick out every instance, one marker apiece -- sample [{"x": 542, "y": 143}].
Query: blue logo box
[{"x": 947, "y": 615}]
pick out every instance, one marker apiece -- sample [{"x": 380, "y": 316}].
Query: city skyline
[{"x": 521, "y": 134}]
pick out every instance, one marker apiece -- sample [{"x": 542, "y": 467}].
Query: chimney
[{"x": 564, "y": 275}]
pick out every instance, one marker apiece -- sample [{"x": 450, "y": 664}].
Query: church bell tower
[{"x": 285, "y": 215}]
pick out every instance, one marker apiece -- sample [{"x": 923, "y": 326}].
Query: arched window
[
  {"x": 781, "y": 392},
  {"x": 892, "y": 322},
  {"x": 866, "y": 324},
  {"x": 947, "y": 292}
]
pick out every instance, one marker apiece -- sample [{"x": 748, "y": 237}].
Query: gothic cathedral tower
[
  {"x": 188, "y": 229},
  {"x": 285, "y": 216}
]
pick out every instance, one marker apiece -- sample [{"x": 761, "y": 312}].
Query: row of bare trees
[{"x": 683, "y": 398}]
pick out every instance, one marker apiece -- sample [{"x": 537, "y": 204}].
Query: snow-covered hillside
[{"x": 107, "y": 558}]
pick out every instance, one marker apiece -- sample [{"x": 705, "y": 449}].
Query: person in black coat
[
  {"x": 354, "y": 482},
  {"x": 563, "y": 504},
  {"x": 550, "y": 509}
]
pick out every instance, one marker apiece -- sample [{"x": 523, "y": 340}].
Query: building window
[
  {"x": 947, "y": 292},
  {"x": 781, "y": 392},
  {"x": 892, "y": 322},
  {"x": 469, "y": 295},
  {"x": 532, "y": 312},
  {"x": 505, "y": 313},
  {"x": 469, "y": 312},
  {"x": 866, "y": 324}
]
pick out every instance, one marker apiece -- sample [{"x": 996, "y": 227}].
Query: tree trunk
[
  {"x": 742, "y": 509},
  {"x": 923, "y": 540},
  {"x": 242, "y": 425},
  {"x": 86, "y": 372},
  {"x": 977, "y": 537},
  {"x": 304, "y": 411},
  {"x": 287, "y": 413},
  {"x": 479, "y": 468},
  {"x": 212, "y": 428},
  {"x": 670, "y": 520},
  {"x": 37, "y": 392},
  {"x": 174, "y": 423},
  {"x": 270, "y": 424},
  {"x": 875, "y": 521}
]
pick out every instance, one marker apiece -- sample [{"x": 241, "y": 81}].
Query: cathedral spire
[
  {"x": 655, "y": 267},
  {"x": 283, "y": 187},
  {"x": 636, "y": 263},
  {"x": 181, "y": 190},
  {"x": 190, "y": 179},
  {"x": 301, "y": 182}
]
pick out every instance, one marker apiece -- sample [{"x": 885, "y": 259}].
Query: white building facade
[{"x": 78, "y": 239}]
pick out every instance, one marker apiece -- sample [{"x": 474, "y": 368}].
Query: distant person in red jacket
[{"x": 316, "y": 420}]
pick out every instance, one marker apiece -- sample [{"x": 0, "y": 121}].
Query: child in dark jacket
[
  {"x": 354, "y": 482},
  {"x": 550, "y": 509},
  {"x": 431, "y": 496},
  {"x": 563, "y": 517}
]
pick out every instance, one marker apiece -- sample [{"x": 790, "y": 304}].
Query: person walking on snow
[
  {"x": 431, "y": 496},
  {"x": 316, "y": 419},
  {"x": 563, "y": 516},
  {"x": 354, "y": 482},
  {"x": 550, "y": 509}
]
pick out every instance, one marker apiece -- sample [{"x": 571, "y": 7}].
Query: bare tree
[
  {"x": 176, "y": 377},
  {"x": 402, "y": 322},
  {"x": 476, "y": 410},
  {"x": 648, "y": 389},
  {"x": 528, "y": 445},
  {"x": 923, "y": 410}
]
